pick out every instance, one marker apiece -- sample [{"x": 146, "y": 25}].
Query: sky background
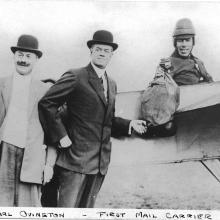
[{"x": 142, "y": 29}]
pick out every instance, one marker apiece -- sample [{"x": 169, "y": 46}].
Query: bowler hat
[
  {"x": 102, "y": 37},
  {"x": 27, "y": 43}
]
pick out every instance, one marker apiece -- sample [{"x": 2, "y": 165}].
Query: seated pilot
[{"x": 182, "y": 65}]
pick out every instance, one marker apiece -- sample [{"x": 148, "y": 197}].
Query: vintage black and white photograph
[{"x": 110, "y": 104}]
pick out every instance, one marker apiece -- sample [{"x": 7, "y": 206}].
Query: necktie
[
  {"x": 103, "y": 88},
  {"x": 101, "y": 80}
]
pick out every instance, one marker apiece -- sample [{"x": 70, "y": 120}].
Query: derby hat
[
  {"x": 27, "y": 43},
  {"x": 102, "y": 37}
]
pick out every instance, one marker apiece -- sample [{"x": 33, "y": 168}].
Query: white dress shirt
[
  {"x": 15, "y": 131},
  {"x": 101, "y": 74}
]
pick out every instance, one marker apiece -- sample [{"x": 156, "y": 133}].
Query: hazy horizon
[{"x": 143, "y": 31}]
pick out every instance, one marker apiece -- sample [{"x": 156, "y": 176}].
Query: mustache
[{"x": 21, "y": 63}]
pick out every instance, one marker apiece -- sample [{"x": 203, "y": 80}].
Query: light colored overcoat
[{"x": 35, "y": 151}]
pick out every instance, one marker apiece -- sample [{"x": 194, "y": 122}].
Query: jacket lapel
[
  {"x": 33, "y": 95},
  {"x": 95, "y": 83},
  {"x": 7, "y": 89}
]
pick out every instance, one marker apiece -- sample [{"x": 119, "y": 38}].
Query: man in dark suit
[{"x": 85, "y": 141}]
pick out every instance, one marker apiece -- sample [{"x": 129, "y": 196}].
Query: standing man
[
  {"x": 86, "y": 147},
  {"x": 22, "y": 152},
  {"x": 184, "y": 67}
]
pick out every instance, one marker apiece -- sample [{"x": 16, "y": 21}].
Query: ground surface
[{"x": 174, "y": 186}]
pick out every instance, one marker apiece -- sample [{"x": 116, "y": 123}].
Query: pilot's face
[
  {"x": 184, "y": 46},
  {"x": 101, "y": 55}
]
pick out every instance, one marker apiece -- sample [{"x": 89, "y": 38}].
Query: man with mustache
[
  {"x": 89, "y": 94},
  {"x": 183, "y": 66},
  {"x": 22, "y": 149}
]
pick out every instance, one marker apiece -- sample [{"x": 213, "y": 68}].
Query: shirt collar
[
  {"x": 19, "y": 77},
  {"x": 99, "y": 72}
]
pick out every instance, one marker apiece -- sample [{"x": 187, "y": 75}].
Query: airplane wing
[
  {"x": 180, "y": 161},
  {"x": 198, "y": 122}
]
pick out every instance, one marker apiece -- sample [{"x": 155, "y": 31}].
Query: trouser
[
  {"x": 76, "y": 189},
  {"x": 50, "y": 193},
  {"x": 13, "y": 192}
]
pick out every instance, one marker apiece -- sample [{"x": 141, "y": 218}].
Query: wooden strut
[
  {"x": 210, "y": 171},
  {"x": 199, "y": 159},
  {"x": 205, "y": 161}
]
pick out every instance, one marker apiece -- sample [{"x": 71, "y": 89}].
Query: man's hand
[
  {"x": 164, "y": 66},
  {"x": 139, "y": 126},
  {"x": 165, "y": 63},
  {"x": 159, "y": 72},
  {"x": 48, "y": 174},
  {"x": 65, "y": 142}
]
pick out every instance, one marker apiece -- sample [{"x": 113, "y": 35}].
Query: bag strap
[
  {"x": 197, "y": 64},
  {"x": 201, "y": 69}
]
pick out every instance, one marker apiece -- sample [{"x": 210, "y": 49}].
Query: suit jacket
[
  {"x": 90, "y": 120},
  {"x": 34, "y": 152}
]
